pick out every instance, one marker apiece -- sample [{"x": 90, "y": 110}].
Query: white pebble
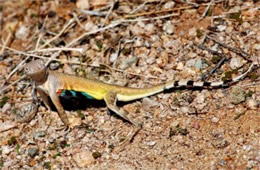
[
  {"x": 90, "y": 26},
  {"x": 82, "y": 4},
  {"x": 168, "y": 27},
  {"x": 256, "y": 46},
  {"x": 169, "y": 5},
  {"x": 83, "y": 158},
  {"x": 236, "y": 62},
  {"x": 6, "y": 108},
  {"x": 6, "y": 150},
  {"x": 252, "y": 104},
  {"x": 221, "y": 27},
  {"x": 215, "y": 120},
  {"x": 22, "y": 32},
  {"x": 151, "y": 143}
]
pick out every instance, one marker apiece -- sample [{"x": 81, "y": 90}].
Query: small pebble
[
  {"x": 238, "y": 95},
  {"x": 222, "y": 162},
  {"x": 6, "y": 150},
  {"x": 200, "y": 98},
  {"x": 247, "y": 147},
  {"x": 175, "y": 123},
  {"x": 22, "y": 32},
  {"x": 82, "y": 4},
  {"x": 221, "y": 27},
  {"x": 83, "y": 158},
  {"x": 256, "y": 46},
  {"x": 193, "y": 32},
  {"x": 6, "y": 108},
  {"x": 168, "y": 27},
  {"x": 148, "y": 103},
  {"x": 39, "y": 134},
  {"x": 215, "y": 120},
  {"x": 115, "y": 156},
  {"x": 236, "y": 63},
  {"x": 252, "y": 104},
  {"x": 128, "y": 62},
  {"x": 180, "y": 66},
  {"x": 32, "y": 152},
  {"x": 169, "y": 5},
  {"x": 54, "y": 65},
  {"x": 151, "y": 143},
  {"x": 185, "y": 109},
  {"x": 90, "y": 26},
  {"x": 113, "y": 57},
  {"x": 219, "y": 143}
]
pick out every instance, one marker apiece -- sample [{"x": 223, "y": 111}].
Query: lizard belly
[{"x": 73, "y": 93}]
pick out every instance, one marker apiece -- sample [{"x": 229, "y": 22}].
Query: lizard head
[{"x": 36, "y": 70}]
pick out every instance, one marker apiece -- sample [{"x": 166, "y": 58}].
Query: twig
[
  {"x": 157, "y": 12},
  {"x": 5, "y": 43},
  {"x": 78, "y": 63},
  {"x": 13, "y": 83},
  {"x": 206, "y": 10},
  {"x": 235, "y": 50},
  {"x": 94, "y": 13},
  {"x": 59, "y": 34},
  {"x": 41, "y": 33},
  {"x": 109, "y": 12},
  {"x": 77, "y": 20},
  {"x": 218, "y": 65},
  {"x": 15, "y": 69},
  {"x": 57, "y": 49}
]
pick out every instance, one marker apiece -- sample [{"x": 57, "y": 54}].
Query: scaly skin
[{"x": 50, "y": 83}]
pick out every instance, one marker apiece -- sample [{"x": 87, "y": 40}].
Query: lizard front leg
[
  {"x": 56, "y": 101},
  {"x": 45, "y": 99}
]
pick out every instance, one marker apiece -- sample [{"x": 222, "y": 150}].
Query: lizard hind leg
[{"x": 110, "y": 100}]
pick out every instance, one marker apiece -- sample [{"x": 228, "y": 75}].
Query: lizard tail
[{"x": 134, "y": 93}]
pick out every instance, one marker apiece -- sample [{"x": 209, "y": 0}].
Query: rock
[
  {"x": 180, "y": 66},
  {"x": 197, "y": 63},
  {"x": 6, "y": 150},
  {"x": 113, "y": 57},
  {"x": 252, "y": 104},
  {"x": 236, "y": 62},
  {"x": 219, "y": 143},
  {"x": 151, "y": 143},
  {"x": 238, "y": 95},
  {"x": 22, "y": 32},
  {"x": 193, "y": 32},
  {"x": 39, "y": 134},
  {"x": 169, "y": 5},
  {"x": 215, "y": 120},
  {"x": 6, "y": 108},
  {"x": 200, "y": 98},
  {"x": 148, "y": 103},
  {"x": 185, "y": 109},
  {"x": 82, "y": 4},
  {"x": 256, "y": 46},
  {"x": 54, "y": 65},
  {"x": 221, "y": 27},
  {"x": 128, "y": 62},
  {"x": 32, "y": 152},
  {"x": 90, "y": 26},
  {"x": 83, "y": 158},
  {"x": 7, "y": 125},
  {"x": 168, "y": 27}
]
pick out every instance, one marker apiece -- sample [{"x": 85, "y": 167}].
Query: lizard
[{"x": 55, "y": 84}]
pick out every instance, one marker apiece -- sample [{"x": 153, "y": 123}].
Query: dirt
[{"x": 152, "y": 42}]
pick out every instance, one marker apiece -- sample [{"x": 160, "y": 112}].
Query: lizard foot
[{"x": 129, "y": 139}]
